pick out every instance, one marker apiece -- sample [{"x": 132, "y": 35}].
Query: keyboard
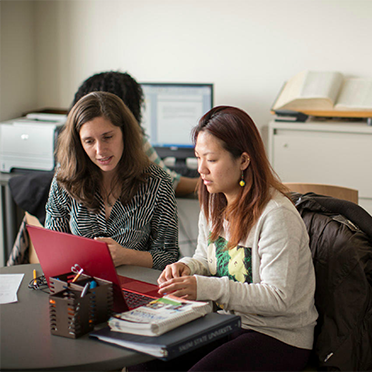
[
  {"x": 184, "y": 170},
  {"x": 134, "y": 300}
]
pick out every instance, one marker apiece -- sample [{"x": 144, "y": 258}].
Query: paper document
[{"x": 9, "y": 284}]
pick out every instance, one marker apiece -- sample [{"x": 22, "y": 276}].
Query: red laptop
[{"x": 58, "y": 252}]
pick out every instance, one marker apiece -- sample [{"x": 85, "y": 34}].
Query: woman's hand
[
  {"x": 175, "y": 270},
  {"x": 126, "y": 256},
  {"x": 116, "y": 250},
  {"x": 184, "y": 287},
  {"x": 176, "y": 279}
]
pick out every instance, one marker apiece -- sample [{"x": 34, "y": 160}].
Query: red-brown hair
[{"x": 238, "y": 133}]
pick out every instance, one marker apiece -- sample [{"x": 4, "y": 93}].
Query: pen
[
  {"x": 35, "y": 277},
  {"x": 85, "y": 290},
  {"x": 77, "y": 276}
]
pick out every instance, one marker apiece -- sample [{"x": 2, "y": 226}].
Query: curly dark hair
[{"x": 118, "y": 83}]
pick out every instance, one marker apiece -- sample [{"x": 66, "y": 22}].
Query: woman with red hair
[{"x": 252, "y": 258}]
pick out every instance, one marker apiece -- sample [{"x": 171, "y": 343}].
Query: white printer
[{"x": 29, "y": 142}]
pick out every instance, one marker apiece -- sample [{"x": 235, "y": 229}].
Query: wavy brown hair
[
  {"x": 238, "y": 133},
  {"x": 77, "y": 173}
]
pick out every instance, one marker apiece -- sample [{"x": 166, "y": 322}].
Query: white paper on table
[{"x": 9, "y": 284}]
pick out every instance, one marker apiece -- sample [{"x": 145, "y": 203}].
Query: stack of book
[{"x": 167, "y": 327}]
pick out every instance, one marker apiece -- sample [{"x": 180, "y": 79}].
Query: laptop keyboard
[{"x": 134, "y": 300}]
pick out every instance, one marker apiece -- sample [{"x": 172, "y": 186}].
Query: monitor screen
[{"x": 171, "y": 111}]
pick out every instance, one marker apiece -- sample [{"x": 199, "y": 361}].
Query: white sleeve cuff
[{"x": 212, "y": 288}]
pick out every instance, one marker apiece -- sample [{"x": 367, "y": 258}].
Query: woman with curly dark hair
[{"x": 118, "y": 83}]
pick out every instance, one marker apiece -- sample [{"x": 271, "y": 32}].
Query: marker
[
  {"x": 93, "y": 284},
  {"x": 35, "y": 281}
]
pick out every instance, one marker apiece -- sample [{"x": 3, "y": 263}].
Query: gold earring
[{"x": 242, "y": 182}]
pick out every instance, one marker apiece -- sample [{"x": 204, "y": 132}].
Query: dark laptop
[{"x": 58, "y": 252}]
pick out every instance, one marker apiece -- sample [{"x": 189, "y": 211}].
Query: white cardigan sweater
[{"x": 268, "y": 279}]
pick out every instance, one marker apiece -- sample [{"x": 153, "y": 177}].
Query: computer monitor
[{"x": 171, "y": 111}]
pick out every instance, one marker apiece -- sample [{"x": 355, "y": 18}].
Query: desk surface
[{"x": 26, "y": 341}]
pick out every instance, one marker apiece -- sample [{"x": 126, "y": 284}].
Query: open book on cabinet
[{"x": 326, "y": 93}]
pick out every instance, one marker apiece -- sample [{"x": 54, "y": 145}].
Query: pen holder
[
  {"x": 63, "y": 281},
  {"x": 101, "y": 297},
  {"x": 98, "y": 297},
  {"x": 70, "y": 314}
]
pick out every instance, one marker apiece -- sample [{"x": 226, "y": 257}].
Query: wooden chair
[{"x": 338, "y": 192}]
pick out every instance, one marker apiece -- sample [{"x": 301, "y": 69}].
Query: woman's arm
[
  {"x": 154, "y": 157},
  {"x": 186, "y": 186},
  {"x": 281, "y": 270},
  {"x": 181, "y": 185}
]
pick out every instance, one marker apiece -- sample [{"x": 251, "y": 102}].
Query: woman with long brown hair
[
  {"x": 252, "y": 258},
  {"x": 106, "y": 188}
]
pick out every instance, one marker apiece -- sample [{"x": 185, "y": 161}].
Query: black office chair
[{"x": 341, "y": 244}]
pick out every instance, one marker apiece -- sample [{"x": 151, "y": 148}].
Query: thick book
[
  {"x": 326, "y": 93},
  {"x": 159, "y": 316},
  {"x": 179, "y": 341}
]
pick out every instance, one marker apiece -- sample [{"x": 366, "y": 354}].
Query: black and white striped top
[{"x": 149, "y": 222}]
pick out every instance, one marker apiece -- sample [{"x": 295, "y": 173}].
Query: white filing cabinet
[{"x": 333, "y": 153}]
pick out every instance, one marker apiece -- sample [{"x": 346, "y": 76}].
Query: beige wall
[
  {"x": 247, "y": 48},
  {"x": 18, "y": 72}
]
